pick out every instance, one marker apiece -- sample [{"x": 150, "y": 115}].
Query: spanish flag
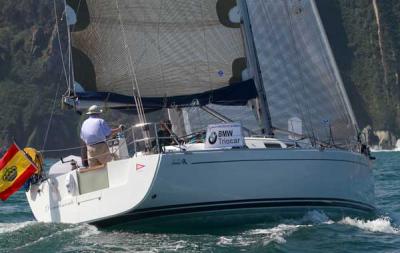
[{"x": 15, "y": 169}]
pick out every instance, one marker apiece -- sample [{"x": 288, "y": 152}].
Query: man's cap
[{"x": 94, "y": 109}]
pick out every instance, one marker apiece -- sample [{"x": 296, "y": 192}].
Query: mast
[
  {"x": 71, "y": 78},
  {"x": 251, "y": 51}
]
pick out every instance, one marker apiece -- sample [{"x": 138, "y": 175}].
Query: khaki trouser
[{"x": 98, "y": 154}]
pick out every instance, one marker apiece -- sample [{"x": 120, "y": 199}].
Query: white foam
[
  {"x": 382, "y": 225},
  {"x": 316, "y": 217},
  {"x": 169, "y": 245},
  {"x": 70, "y": 229},
  {"x": 10, "y": 227},
  {"x": 224, "y": 241},
  {"x": 385, "y": 150},
  {"x": 256, "y": 236},
  {"x": 378, "y": 149},
  {"x": 243, "y": 241},
  {"x": 88, "y": 230},
  {"x": 178, "y": 245},
  {"x": 278, "y": 233}
]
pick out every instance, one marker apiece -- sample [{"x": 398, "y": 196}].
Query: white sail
[
  {"x": 298, "y": 71},
  {"x": 177, "y": 47}
]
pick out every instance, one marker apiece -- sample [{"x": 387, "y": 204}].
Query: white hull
[{"x": 212, "y": 182}]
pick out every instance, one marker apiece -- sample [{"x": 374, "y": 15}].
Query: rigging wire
[
  {"x": 51, "y": 116},
  {"x": 71, "y": 75},
  {"x": 58, "y": 83},
  {"x": 128, "y": 130},
  {"x": 59, "y": 43},
  {"x": 132, "y": 72},
  {"x": 329, "y": 78},
  {"x": 334, "y": 73}
]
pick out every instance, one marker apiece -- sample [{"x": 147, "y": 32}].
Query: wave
[
  {"x": 316, "y": 217},
  {"x": 265, "y": 236},
  {"x": 378, "y": 149},
  {"x": 11, "y": 227},
  {"x": 276, "y": 234},
  {"x": 382, "y": 225},
  {"x": 62, "y": 230},
  {"x": 385, "y": 150},
  {"x": 90, "y": 238},
  {"x": 88, "y": 230}
]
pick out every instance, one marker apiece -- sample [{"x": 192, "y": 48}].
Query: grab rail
[{"x": 146, "y": 138}]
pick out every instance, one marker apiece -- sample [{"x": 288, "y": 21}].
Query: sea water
[{"x": 314, "y": 232}]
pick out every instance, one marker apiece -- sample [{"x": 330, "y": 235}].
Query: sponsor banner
[{"x": 224, "y": 135}]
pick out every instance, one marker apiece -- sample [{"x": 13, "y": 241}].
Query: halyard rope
[
  {"x": 58, "y": 83},
  {"x": 132, "y": 72}
]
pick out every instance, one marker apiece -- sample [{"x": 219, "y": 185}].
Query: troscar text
[{"x": 229, "y": 141}]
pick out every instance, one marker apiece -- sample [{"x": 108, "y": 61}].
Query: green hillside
[
  {"x": 369, "y": 68},
  {"x": 30, "y": 75}
]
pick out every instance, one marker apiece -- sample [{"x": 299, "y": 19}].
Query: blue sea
[{"x": 314, "y": 232}]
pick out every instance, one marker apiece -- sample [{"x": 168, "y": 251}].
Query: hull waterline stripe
[
  {"x": 274, "y": 200},
  {"x": 232, "y": 205},
  {"x": 266, "y": 160}
]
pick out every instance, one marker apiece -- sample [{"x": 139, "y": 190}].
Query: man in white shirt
[{"x": 94, "y": 133}]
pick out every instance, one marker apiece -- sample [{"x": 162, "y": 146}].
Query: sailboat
[{"x": 261, "y": 120}]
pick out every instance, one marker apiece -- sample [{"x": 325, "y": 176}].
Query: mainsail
[
  {"x": 304, "y": 90},
  {"x": 182, "y": 53},
  {"x": 175, "y": 50}
]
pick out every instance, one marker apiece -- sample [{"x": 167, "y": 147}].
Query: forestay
[
  {"x": 298, "y": 71},
  {"x": 176, "y": 47}
]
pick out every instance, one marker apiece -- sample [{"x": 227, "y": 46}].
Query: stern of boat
[{"x": 79, "y": 196}]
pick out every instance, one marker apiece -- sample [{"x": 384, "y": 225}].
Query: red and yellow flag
[{"x": 15, "y": 169}]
